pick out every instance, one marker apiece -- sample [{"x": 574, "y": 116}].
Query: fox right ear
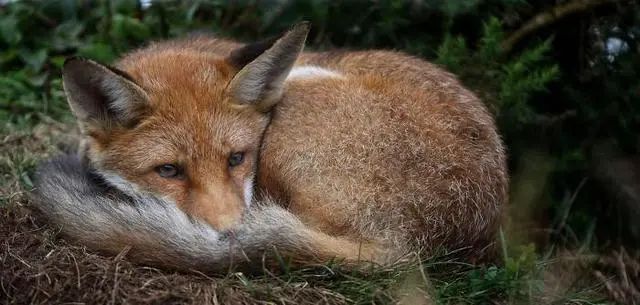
[
  {"x": 264, "y": 66},
  {"x": 100, "y": 96}
]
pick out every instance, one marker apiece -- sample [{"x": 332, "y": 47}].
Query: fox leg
[{"x": 351, "y": 252}]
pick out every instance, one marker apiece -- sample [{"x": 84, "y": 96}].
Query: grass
[{"x": 38, "y": 266}]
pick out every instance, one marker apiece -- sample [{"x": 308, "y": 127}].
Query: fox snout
[{"x": 219, "y": 207}]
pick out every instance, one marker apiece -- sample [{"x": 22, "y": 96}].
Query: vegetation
[{"x": 561, "y": 77}]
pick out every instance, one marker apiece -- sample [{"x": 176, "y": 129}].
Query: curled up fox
[{"x": 204, "y": 152}]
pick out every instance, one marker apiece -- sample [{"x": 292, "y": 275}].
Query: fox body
[{"x": 362, "y": 155}]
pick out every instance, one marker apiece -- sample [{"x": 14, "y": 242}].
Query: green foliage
[
  {"x": 453, "y": 52},
  {"x": 522, "y": 77},
  {"x": 518, "y": 281},
  {"x": 23, "y": 100},
  {"x": 508, "y": 84},
  {"x": 492, "y": 37}
]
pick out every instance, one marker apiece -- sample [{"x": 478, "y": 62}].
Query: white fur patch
[
  {"x": 130, "y": 188},
  {"x": 122, "y": 184},
  {"x": 123, "y": 97},
  {"x": 312, "y": 72},
  {"x": 120, "y": 96},
  {"x": 248, "y": 191}
]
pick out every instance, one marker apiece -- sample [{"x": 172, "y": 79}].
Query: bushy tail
[{"x": 157, "y": 232}]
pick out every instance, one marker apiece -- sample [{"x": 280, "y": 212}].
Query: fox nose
[{"x": 221, "y": 209}]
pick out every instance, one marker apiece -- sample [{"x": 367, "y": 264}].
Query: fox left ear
[
  {"x": 100, "y": 96},
  {"x": 264, "y": 68}
]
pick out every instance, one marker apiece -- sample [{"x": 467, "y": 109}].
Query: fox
[{"x": 202, "y": 152}]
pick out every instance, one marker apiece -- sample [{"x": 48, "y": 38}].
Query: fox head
[{"x": 181, "y": 123}]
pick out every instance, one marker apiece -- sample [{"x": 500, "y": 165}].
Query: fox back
[
  {"x": 385, "y": 147},
  {"x": 383, "y": 151}
]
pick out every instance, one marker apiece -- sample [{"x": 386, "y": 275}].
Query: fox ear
[
  {"x": 264, "y": 66},
  {"x": 102, "y": 96}
]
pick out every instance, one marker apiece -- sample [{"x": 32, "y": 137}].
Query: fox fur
[{"x": 354, "y": 155}]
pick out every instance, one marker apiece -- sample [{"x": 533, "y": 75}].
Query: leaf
[
  {"x": 452, "y": 52},
  {"x": 34, "y": 60},
  {"x": 57, "y": 61},
  {"x": 8, "y": 56},
  {"x": 9, "y": 31},
  {"x": 127, "y": 27},
  {"x": 38, "y": 80},
  {"x": 66, "y": 35},
  {"x": 492, "y": 37},
  {"x": 191, "y": 12},
  {"x": 98, "y": 51}
]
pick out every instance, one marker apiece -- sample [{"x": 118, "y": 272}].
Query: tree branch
[{"x": 548, "y": 17}]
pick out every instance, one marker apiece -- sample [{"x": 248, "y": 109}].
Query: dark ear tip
[{"x": 73, "y": 60}]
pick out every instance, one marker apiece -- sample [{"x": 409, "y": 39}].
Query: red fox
[{"x": 201, "y": 151}]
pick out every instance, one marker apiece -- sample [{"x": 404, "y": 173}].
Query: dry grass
[
  {"x": 620, "y": 273},
  {"x": 37, "y": 268}
]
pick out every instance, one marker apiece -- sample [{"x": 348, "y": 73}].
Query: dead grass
[
  {"x": 620, "y": 273},
  {"x": 37, "y": 268}
]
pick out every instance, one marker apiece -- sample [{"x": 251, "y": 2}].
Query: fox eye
[
  {"x": 236, "y": 159},
  {"x": 168, "y": 171}
]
